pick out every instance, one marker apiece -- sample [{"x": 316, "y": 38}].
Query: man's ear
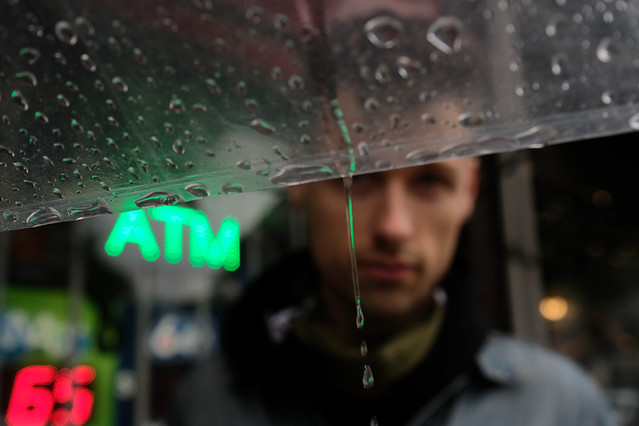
[{"x": 297, "y": 196}]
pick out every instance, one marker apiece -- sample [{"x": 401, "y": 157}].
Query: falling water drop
[
  {"x": 363, "y": 349},
  {"x": 367, "y": 379},
  {"x": 445, "y": 34},
  {"x": 384, "y": 31},
  {"x": 65, "y": 33}
]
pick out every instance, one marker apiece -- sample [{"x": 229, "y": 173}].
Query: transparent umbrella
[{"x": 112, "y": 106}]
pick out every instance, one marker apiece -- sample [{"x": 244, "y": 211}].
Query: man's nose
[{"x": 394, "y": 222}]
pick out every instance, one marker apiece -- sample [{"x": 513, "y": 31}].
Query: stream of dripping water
[{"x": 367, "y": 377}]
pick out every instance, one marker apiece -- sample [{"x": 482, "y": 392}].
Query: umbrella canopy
[{"x": 112, "y": 106}]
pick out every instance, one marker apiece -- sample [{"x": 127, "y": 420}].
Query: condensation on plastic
[{"x": 111, "y": 106}]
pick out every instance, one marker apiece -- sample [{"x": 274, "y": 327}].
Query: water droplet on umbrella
[
  {"x": 367, "y": 379},
  {"x": 198, "y": 189},
  {"x": 172, "y": 164},
  {"x": 30, "y": 55},
  {"x": 409, "y": 68},
  {"x": 608, "y": 97},
  {"x": 229, "y": 188},
  {"x": 296, "y": 82},
  {"x": 159, "y": 198},
  {"x": 607, "y": 49},
  {"x": 384, "y": 31},
  {"x": 84, "y": 25},
  {"x": 41, "y": 117},
  {"x": 243, "y": 164},
  {"x": 445, "y": 34},
  {"x": 281, "y": 153},
  {"x": 634, "y": 122},
  {"x": 75, "y": 125},
  {"x": 139, "y": 56},
  {"x": 177, "y": 106},
  {"x": 43, "y": 216},
  {"x": 371, "y": 104},
  {"x": 212, "y": 86},
  {"x": 178, "y": 146},
  {"x": 27, "y": 77},
  {"x": 10, "y": 217},
  {"x": 305, "y": 139},
  {"x": 6, "y": 150},
  {"x": 422, "y": 155},
  {"x": 63, "y": 101},
  {"x": 382, "y": 73},
  {"x": 58, "y": 193},
  {"x": 558, "y": 63},
  {"x": 19, "y": 100},
  {"x": 65, "y": 33},
  {"x": 471, "y": 119},
  {"x": 88, "y": 63},
  {"x": 262, "y": 126},
  {"x": 120, "y": 84},
  {"x": 300, "y": 173},
  {"x": 21, "y": 167}
]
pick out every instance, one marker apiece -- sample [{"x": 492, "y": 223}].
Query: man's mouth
[{"x": 386, "y": 270}]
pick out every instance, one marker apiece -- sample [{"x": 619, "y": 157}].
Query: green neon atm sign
[{"x": 220, "y": 250}]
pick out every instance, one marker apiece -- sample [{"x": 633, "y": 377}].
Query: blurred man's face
[{"x": 406, "y": 226}]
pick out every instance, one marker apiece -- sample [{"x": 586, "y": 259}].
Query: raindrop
[
  {"x": 262, "y": 126},
  {"x": 382, "y": 73},
  {"x": 243, "y": 164},
  {"x": 133, "y": 173},
  {"x": 428, "y": 118},
  {"x": 119, "y": 84},
  {"x": 296, "y": 82},
  {"x": 197, "y": 189},
  {"x": 159, "y": 198},
  {"x": 383, "y": 31},
  {"x": 58, "y": 193},
  {"x": 409, "y": 68},
  {"x": 471, "y": 119},
  {"x": 199, "y": 107},
  {"x": 177, "y": 106},
  {"x": 172, "y": 165},
  {"x": 281, "y": 22},
  {"x": 254, "y": 14},
  {"x": 371, "y": 104},
  {"x": 63, "y": 101},
  {"x": 178, "y": 146},
  {"x": 634, "y": 122},
  {"x": 114, "y": 45},
  {"x": 30, "y": 55},
  {"x": 75, "y": 125},
  {"x": 367, "y": 379},
  {"x": 359, "y": 318},
  {"x": 6, "y": 150},
  {"x": 229, "y": 188},
  {"x": 21, "y": 167},
  {"x": 10, "y": 217},
  {"x": 608, "y": 49},
  {"x": 363, "y": 149},
  {"x": 300, "y": 173},
  {"x": 608, "y": 97},
  {"x": 84, "y": 25},
  {"x": 43, "y": 216},
  {"x": 445, "y": 34},
  {"x": 363, "y": 349},
  {"x": 20, "y": 100},
  {"x": 422, "y": 155},
  {"x": 241, "y": 88},
  {"x": 27, "y": 77},
  {"x": 555, "y": 24},
  {"x": 305, "y": 139},
  {"x": 281, "y": 153},
  {"x": 41, "y": 118},
  {"x": 558, "y": 63},
  {"x": 139, "y": 56},
  {"x": 65, "y": 33},
  {"x": 60, "y": 58},
  {"x": 212, "y": 86},
  {"x": 48, "y": 160},
  {"x": 88, "y": 63}
]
